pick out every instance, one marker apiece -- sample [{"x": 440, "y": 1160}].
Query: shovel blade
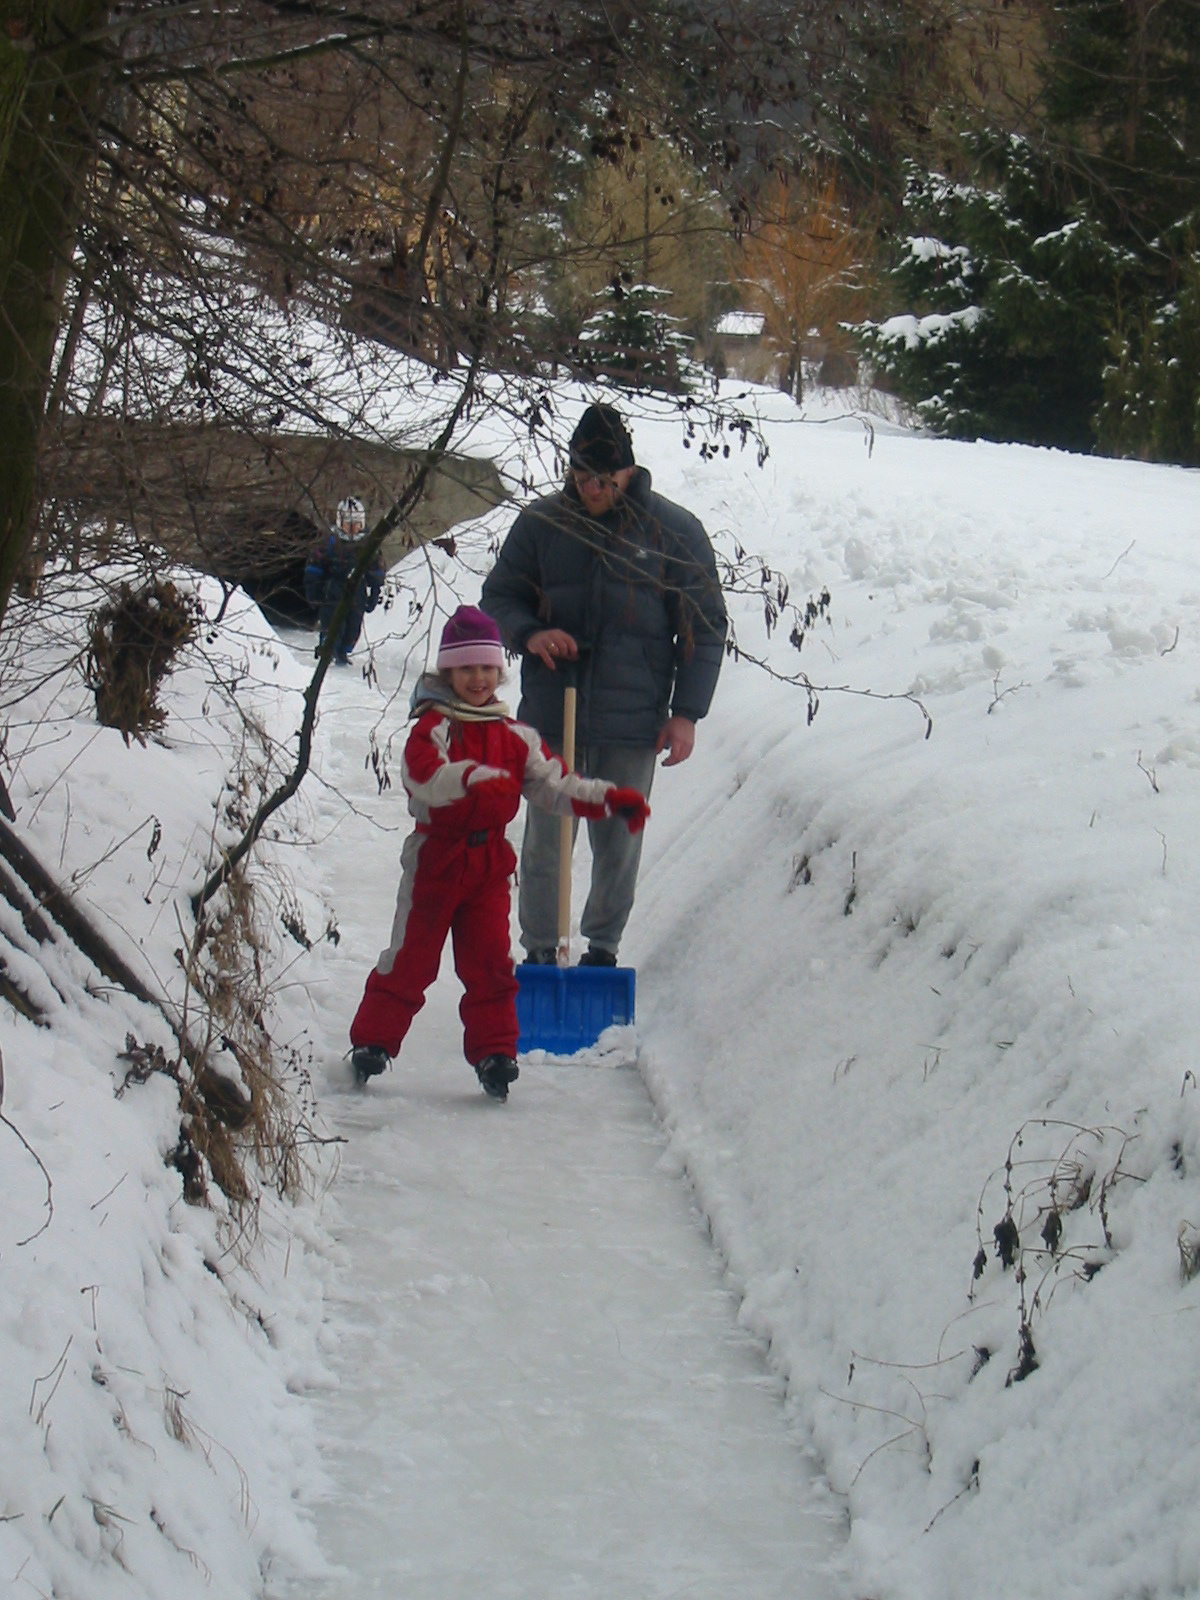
[{"x": 565, "y": 1009}]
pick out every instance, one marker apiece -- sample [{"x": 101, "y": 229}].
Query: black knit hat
[{"x": 600, "y": 443}]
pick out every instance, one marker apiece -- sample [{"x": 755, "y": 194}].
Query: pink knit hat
[{"x": 470, "y": 639}]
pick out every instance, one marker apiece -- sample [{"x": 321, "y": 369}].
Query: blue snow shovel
[{"x": 563, "y": 1008}]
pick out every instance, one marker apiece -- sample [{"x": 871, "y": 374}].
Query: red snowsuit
[{"x": 465, "y": 770}]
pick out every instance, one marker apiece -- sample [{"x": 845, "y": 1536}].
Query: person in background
[
  {"x": 466, "y": 765},
  {"x": 622, "y": 583},
  {"x": 328, "y": 570}
]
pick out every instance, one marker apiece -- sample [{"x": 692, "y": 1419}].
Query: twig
[
  {"x": 56, "y": 1372},
  {"x": 998, "y": 694},
  {"x": 905, "y": 1366},
  {"x": 45, "y": 1174},
  {"x": 879, "y": 1448},
  {"x": 113, "y": 1190},
  {"x": 81, "y": 874},
  {"x": 801, "y": 680},
  {"x": 1119, "y": 559},
  {"x": 971, "y": 1483}
]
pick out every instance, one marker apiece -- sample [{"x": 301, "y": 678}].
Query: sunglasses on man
[{"x": 585, "y": 480}]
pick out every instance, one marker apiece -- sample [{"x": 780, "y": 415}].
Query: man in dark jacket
[{"x": 622, "y": 583}]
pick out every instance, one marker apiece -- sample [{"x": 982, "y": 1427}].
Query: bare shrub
[
  {"x": 132, "y": 642},
  {"x": 249, "y": 1107}
]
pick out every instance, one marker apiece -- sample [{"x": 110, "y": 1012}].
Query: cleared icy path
[{"x": 543, "y": 1390}]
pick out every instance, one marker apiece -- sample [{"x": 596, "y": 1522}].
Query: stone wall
[{"x": 246, "y": 508}]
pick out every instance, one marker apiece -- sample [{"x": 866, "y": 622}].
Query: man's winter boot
[
  {"x": 495, "y": 1073},
  {"x": 542, "y": 958},
  {"x": 594, "y": 956},
  {"x": 368, "y": 1060}
]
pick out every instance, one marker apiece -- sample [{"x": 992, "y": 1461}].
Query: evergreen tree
[
  {"x": 1151, "y": 404},
  {"x": 1051, "y": 294},
  {"x": 633, "y": 341},
  {"x": 1123, "y": 97},
  {"x": 1008, "y": 289}
]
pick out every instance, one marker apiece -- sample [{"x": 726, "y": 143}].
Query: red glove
[
  {"x": 591, "y": 810},
  {"x": 630, "y": 806}
]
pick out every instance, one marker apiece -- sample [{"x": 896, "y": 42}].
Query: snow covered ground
[
  {"x": 541, "y": 1383},
  {"x": 896, "y": 993}
]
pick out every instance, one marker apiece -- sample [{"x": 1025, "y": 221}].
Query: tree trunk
[
  {"x": 52, "y": 60},
  {"x": 795, "y": 373}
]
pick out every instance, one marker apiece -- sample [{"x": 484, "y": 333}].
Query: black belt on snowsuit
[{"x": 474, "y": 840}]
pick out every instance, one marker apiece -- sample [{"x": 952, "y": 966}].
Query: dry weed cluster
[
  {"x": 132, "y": 643},
  {"x": 247, "y": 1108}
]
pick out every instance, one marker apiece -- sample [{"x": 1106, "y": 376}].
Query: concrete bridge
[{"x": 245, "y": 507}]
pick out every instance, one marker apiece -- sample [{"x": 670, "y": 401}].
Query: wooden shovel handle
[{"x": 566, "y": 833}]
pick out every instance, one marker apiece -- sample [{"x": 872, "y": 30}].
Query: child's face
[{"x": 474, "y": 686}]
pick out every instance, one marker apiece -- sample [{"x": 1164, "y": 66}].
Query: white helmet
[{"x": 351, "y": 516}]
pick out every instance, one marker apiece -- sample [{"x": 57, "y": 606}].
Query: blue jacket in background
[{"x": 325, "y": 576}]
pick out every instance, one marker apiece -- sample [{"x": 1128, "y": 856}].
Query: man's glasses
[{"x": 585, "y": 480}]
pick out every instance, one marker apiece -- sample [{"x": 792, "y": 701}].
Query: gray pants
[{"x": 616, "y": 854}]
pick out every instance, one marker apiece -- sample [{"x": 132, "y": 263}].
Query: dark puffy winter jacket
[
  {"x": 637, "y": 589},
  {"x": 329, "y": 566}
]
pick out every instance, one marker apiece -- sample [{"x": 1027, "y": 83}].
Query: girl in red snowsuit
[{"x": 466, "y": 765}]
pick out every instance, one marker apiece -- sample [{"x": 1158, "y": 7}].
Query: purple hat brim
[{"x": 470, "y": 653}]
